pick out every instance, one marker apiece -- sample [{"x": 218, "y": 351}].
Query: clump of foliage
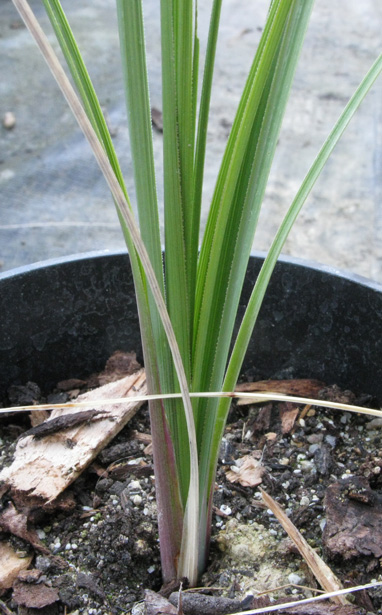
[{"x": 188, "y": 298}]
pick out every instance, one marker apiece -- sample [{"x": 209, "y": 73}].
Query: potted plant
[{"x": 188, "y": 308}]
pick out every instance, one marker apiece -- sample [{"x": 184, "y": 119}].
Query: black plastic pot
[{"x": 63, "y": 318}]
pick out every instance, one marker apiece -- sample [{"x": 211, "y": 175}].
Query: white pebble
[
  {"x": 306, "y": 466},
  {"x": 9, "y": 120},
  {"x": 304, "y": 501},
  {"x": 135, "y": 484},
  {"x": 226, "y": 509},
  {"x": 137, "y": 500}
]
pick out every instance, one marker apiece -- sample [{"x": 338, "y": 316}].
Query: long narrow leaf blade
[{"x": 131, "y": 34}]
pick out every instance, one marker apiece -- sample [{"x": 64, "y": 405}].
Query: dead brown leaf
[
  {"x": 288, "y": 417},
  {"x": 158, "y": 605},
  {"x": 17, "y": 523},
  {"x": 34, "y": 596},
  {"x": 270, "y": 436},
  {"x": 249, "y": 474},
  {"x": 119, "y": 365}
]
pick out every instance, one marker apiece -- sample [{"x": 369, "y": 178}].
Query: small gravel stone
[
  {"x": 331, "y": 440},
  {"x": 306, "y": 466},
  {"x": 294, "y": 578},
  {"x": 374, "y": 423},
  {"x": 9, "y": 120},
  {"x": 43, "y": 563},
  {"x": 226, "y": 509}
]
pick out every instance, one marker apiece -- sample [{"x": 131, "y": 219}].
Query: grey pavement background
[{"x": 53, "y": 200}]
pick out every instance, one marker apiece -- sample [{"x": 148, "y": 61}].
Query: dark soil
[{"x": 104, "y": 547}]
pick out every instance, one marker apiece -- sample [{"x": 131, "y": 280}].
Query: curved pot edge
[{"x": 284, "y": 258}]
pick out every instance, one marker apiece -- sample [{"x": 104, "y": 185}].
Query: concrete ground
[{"x": 54, "y": 201}]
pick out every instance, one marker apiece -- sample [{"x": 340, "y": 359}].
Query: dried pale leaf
[
  {"x": 321, "y": 571},
  {"x": 322, "y": 608},
  {"x": 250, "y": 472},
  {"x": 10, "y": 565}
]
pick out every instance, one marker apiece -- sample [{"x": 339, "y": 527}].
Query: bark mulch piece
[{"x": 353, "y": 520}]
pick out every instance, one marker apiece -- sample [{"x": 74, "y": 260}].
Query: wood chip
[
  {"x": 43, "y": 468},
  {"x": 303, "y": 387},
  {"x": 34, "y": 596},
  {"x": 194, "y": 603},
  {"x": 11, "y": 565},
  {"x": 288, "y": 418},
  {"x": 353, "y": 520}
]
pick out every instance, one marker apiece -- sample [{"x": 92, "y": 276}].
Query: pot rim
[{"x": 296, "y": 261}]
